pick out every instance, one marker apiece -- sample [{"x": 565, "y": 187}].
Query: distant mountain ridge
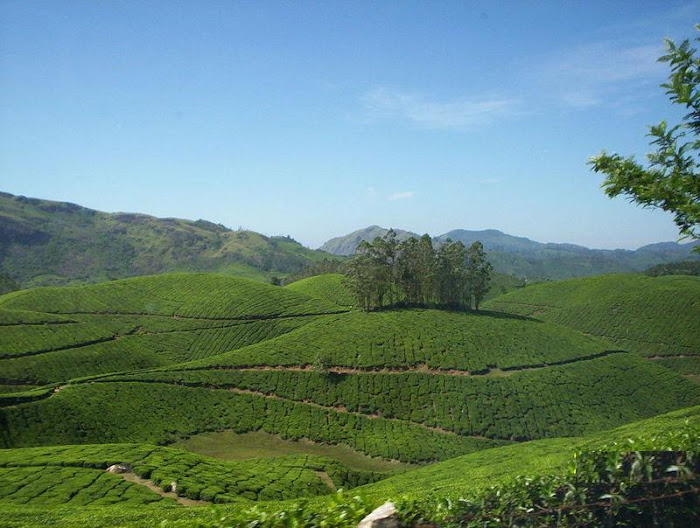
[
  {"x": 346, "y": 245},
  {"x": 526, "y": 258},
  {"x": 44, "y": 242}
]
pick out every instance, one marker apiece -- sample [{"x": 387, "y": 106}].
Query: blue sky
[{"x": 314, "y": 119}]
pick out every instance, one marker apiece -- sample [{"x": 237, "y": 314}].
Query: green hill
[
  {"x": 412, "y": 385},
  {"x": 330, "y": 287},
  {"x": 52, "y": 243},
  {"x": 469, "y": 474},
  {"x": 656, "y": 317},
  {"x": 57, "y": 333}
]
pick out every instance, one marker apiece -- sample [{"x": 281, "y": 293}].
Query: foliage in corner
[{"x": 671, "y": 181}]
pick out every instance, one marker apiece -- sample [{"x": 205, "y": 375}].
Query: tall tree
[
  {"x": 479, "y": 272},
  {"x": 671, "y": 181},
  {"x": 408, "y": 271},
  {"x": 451, "y": 278},
  {"x": 426, "y": 269},
  {"x": 387, "y": 251},
  {"x": 359, "y": 273}
]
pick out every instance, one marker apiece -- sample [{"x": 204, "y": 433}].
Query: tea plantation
[
  {"x": 330, "y": 287},
  {"x": 143, "y": 322},
  {"x": 656, "y": 317},
  {"x": 68, "y": 485},
  {"x": 113, "y": 373}
]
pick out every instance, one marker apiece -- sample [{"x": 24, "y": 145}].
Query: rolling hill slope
[
  {"x": 656, "y": 317},
  {"x": 412, "y": 385},
  {"x": 330, "y": 287},
  {"x": 55, "y": 334},
  {"x": 69, "y": 487},
  {"x": 152, "y": 360},
  {"x": 53, "y": 243}
]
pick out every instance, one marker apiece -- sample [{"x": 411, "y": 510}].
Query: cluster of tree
[{"x": 387, "y": 272}]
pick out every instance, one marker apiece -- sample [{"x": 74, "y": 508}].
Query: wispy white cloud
[
  {"x": 400, "y": 195},
  {"x": 598, "y": 73},
  {"x": 489, "y": 181},
  {"x": 464, "y": 114}
]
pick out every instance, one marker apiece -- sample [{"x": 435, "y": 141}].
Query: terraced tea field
[
  {"x": 329, "y": 287},
  {"x": 656, "y": 317},
  {"x": 111, "y": 373},
  {"x": 69, "y": 485},
  {"x": 137, "y": 323}
]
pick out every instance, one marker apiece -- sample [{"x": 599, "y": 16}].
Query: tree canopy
[
  {"x": 386, "y": 272},
  {"x": 671, "y": 180}
]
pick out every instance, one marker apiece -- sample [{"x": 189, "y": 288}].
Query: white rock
[
  {"x": 119, "y": 468},
  {"x": 383, "y": 517}
]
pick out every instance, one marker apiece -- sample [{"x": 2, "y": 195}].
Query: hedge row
[
  {"x": 51, "y": 486},
  {"x": 197, "y": 477},
  {"x": 557, "y": 401},
  {"x": 140, "y": 412},
  {"x": 400, "y": 338},
  {"x": 182, "y": 294},
  {"x": 127, "y": 343}
]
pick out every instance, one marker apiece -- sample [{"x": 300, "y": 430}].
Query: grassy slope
[
  {"x": 459, "y": 477},
  {"x": 652, "y": 316},
  {"x": 105, "y": 412},
  {"x": 415, "y": 337},
  {"x": 198, "y": 477},
  {"x": 468, "y": 474},
  {"x": 414, "y": 385},
  {"x": 46, "y": 243},
  {"x": 329, "y": 287},
  {"x": 58, "y": 333},
  {"x": 561, "y": 383},
  {"x": 227, "y": 445}
]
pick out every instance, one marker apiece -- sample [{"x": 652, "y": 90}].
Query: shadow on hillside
[{"x": 484, "y": 313}]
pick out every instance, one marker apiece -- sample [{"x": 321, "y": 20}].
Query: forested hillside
[{"x": 52, "y": 243}]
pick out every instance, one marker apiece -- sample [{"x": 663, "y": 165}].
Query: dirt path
[
  {"x": 327, "y": 480},
  {"x": 421, "y": 368},
  {"x": 169, "y": 494}
]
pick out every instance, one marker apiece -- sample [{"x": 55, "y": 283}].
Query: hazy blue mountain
[
  {"x": 346, "y": 245},
  {"x": 530, "y": 259}
]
